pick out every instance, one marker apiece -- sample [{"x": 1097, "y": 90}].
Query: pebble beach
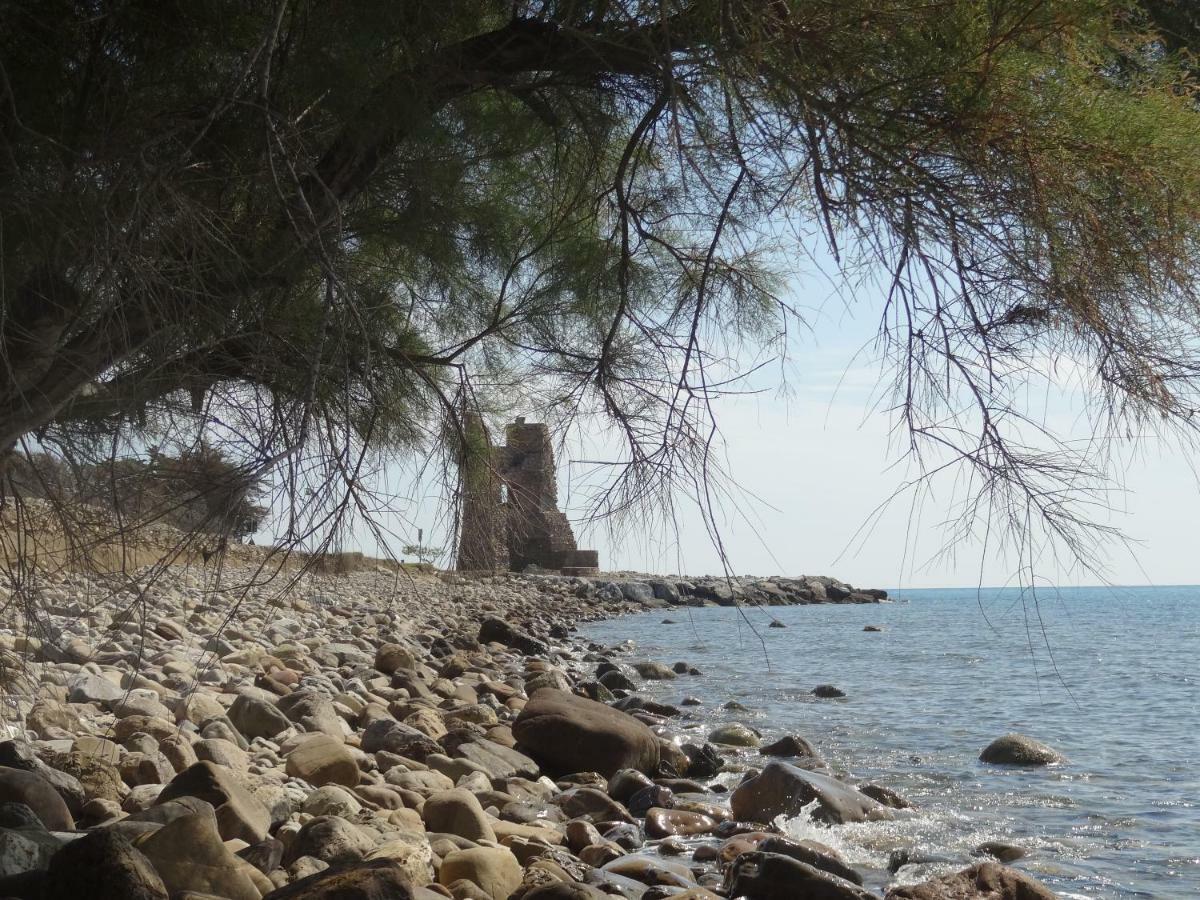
[{"x": 210, "y": 733}]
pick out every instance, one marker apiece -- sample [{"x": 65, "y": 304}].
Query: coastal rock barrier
[{"x": 389, "y": 734}]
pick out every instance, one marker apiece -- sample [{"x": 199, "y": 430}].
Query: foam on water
[{"x": 1119, "y": 819}]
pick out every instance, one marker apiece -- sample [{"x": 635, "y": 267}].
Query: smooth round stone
[
  {"x": 676, "y": 822},
  {"x": 652, "y": 871},
  {"x": 1019, "y": 750},
  {"x": 733, "y": 734}
]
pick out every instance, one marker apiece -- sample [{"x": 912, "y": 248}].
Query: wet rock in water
[
  {"x": 662, "y": 823},
  {"x": 567, "y": 733},
  {"x": 656, "y": 795},
  {"x": 885, "y": 795},
  {"x": 1019, "y": 750},
  {"x": 999, "y": 850},
  {"x": 703, "y": 760},
  {"x": 789, "y": 745},
  {"x": 592, "y": 803},
  {"x": 783, "y": 790},
  {"x": 733, "y": 706},
  {"x": 691, "y": 701},
  {"x": 19, "y": 786},
  {"x": 239, "y": 814},
  {"x": 103, "y": 865},
  {"x": 653, "y": 671},
  {"x": 379, "y": 879},
  {"x": 775, "y": 623},
  {"x": 651, "y": 870},
  {"x": 983, "y": 881},
  {"x": 771, "y": 876},
  {"x": 500, "y": 632},
  {"x": 906, "y": 856},
  {"x": 624, "y": 783},
  {"x": 812, "y": 854},
  {"x": 616, "y": 680},
  {"x": 828, "y": 692},
  {"x": 734, "y": 734}
]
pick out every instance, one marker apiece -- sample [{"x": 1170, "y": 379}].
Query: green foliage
[
  {"x": 423, "y": 554},
  {"x": 318, "y": 230},
  {"x": 196, "y": 490}
]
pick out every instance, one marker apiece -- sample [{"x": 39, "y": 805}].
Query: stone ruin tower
[{"x": 510, "y": 514}]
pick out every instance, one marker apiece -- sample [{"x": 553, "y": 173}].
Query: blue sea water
[{"x": 1108, "y": 676}]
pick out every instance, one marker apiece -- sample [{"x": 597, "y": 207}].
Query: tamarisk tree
[{"x": 315, "y": 230}]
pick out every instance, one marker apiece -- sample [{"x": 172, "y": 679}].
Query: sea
[{"x": 1110, "y": 677}]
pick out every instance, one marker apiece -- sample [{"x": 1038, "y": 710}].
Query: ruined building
[{"x": 510, "y": 514}]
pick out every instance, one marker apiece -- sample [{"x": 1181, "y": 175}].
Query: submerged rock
[
  {"x": 984, "y": 881},
  {"x": 784, "y": 790},
  {"x": 772, "y": 876},
  {"x": 1019, "y": 750}
]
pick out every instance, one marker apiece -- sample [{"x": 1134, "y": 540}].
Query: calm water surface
[{"x": 1108, "y": 676}]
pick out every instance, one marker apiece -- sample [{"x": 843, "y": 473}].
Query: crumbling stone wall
[
  {"x": 510, "y": 515},
  {"x": 482, "y": 542}
]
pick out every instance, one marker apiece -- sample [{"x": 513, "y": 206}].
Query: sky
[{"x": 814, "y": 464}]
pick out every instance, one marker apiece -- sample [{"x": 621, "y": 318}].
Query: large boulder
[
  {"x": 322, "y": 759},
  {"x": 567, "y": 733},
  {"x": 494, "y": 869},
  {"x": 239, "y": 813},
  {"x": 377, "y": 879},
  {"x": 330, "y": 839},
  {"x": 314, "y": 711},
  {"x": 457, "y": 812},
  {"x": 500, "y": 632},
  {"x": 391, "y": 657},
  {"x": 984, "y": 881},
  {"x": 19, "y": 786},
  {"x": 255, "y": 717},
  {"x": 784, "y": 790},
  {"x": 1019, "y": 750},
  {"x": 189, "y": 856},
  {"x": 497, "y": 760},
  {"x": 103, "y": 865},
  {"x": 396, "y": 737},
  {"x": 772, "y": 876}
]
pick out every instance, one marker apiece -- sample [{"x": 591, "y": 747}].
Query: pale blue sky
[{"x": 816, "y": 462}]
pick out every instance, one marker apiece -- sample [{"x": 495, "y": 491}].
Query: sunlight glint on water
[{"x": 1115, "y": 690}]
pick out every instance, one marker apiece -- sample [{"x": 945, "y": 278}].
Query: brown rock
[
  {"x": 239, "y": 813},
  {"x": 567, "y": 733},
  {"x": 103, "y": 865},
  {"x": 783, "y": 790},
  {"x": 457, "y": 812},
  {"x": 379, "y": 879},
  {"x": 19, "y": 786},
  {"x": 189, "y": 856},
  {"x": 494, "y": 869},
  {"x": 984, "y": 881},
  {"x": 322, "y": 759},
  {"x": 666, "y": 822}
]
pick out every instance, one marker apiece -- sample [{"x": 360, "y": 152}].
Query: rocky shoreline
[{"x": 389, "y": 734}]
